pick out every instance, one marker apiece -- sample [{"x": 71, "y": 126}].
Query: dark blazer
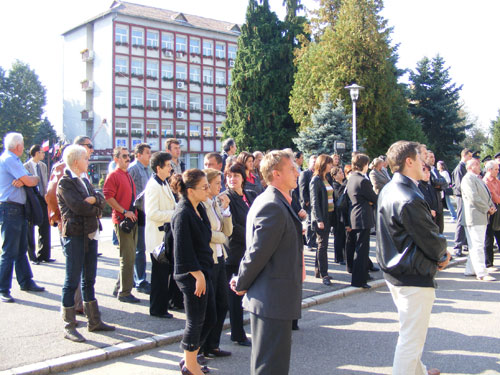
[
  {"x": 439, "y": 183},
  {"x": 361, "y": 194},
  {"x": 79, "y": 218},
  {"x": 239, "y": 211},
  {"x": 456, "y": 178},
  {"x": 271, "y": 270},
  {"x": 319, "y": 201},
  {"x": 304, "y": 195},
  {"x": 429, "y": 194},
  {"x": 192, "y": 235}
]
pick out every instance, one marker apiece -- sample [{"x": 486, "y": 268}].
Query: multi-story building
[{"x": 141, "y": 74}]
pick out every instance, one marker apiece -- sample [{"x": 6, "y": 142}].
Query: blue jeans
[
  {"x": 451, "y": 207},
  {"x": 140, "y": 259},
  {"x": 14, "y": 230},
  {"x": 81, "y": 265}
]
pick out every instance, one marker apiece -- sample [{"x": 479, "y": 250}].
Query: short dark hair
[
  {"x": 216, "y": 155},
  {"x": 359, "y": 161},
  {"x": 227, "y": 144},
  {"x": 236, "y": 168},
  {"x": 398, "y": 152},
  {"x": 118, "y": 150},
  {"x": 34, "y": 149},
  {"x": 80, "y": 140},
  {"x": 158, "y": 160},
  {"x": 465, "y": 151},
  {"x": 298, "y": 154},
  {"x": 190, "y": 179},
  {"x": 139, "y": 149},
  {"x": 171, "y": 141}
]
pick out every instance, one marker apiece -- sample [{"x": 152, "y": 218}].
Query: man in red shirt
[
  {"x": 491, "y": 180},
  {"x": 119, "y": 191}
]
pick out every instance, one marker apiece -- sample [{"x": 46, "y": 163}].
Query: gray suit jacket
[
  {"x": 378, "y": 180},
  {"x": 271, "y": 269},
  {"x": 477, "y": 200},
  {"x": 43, "y": 168}
]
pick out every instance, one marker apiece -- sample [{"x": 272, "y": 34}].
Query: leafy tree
[
  {"x": 495, "y": 134},
  {"x": 434, "y": 100},
  {"x": 354, "y": 46},
  {"x": 329, "y": 124},
  {"x": 257, "y": 113},
  {"x": 22, "y": 98}
]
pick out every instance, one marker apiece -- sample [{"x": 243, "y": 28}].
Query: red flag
[{"x": 45, "y": 146}]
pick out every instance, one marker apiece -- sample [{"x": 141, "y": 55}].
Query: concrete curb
[{"x": 65, "y": 363}]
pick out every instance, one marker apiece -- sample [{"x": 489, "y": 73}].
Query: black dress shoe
[
  {"x": 374, "y": 269},
  {"x": 35, "y": 262},
  {"x": 295, "y": 325},
  {"x": 365, "y": 286},
  {"x": 146, "y": 288},
  {"x": 115, "y": 291},
  {"x": 32, "y": 287},
  {"x": 369, "y": 277},
  {"x": 326, "y": 281},
  {"x": 246, "y": 342},
  {"x": 129, "y": 299},
  {"x": 167, "y": 315},
  {"x": 216, "y": 353},
  {"x": 50, "y": 260},
  {"x": 6, "y": 297},
  {"x": 342, "y": 263}
]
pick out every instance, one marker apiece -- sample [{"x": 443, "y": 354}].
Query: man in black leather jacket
[{"x": 410, "y": 250}]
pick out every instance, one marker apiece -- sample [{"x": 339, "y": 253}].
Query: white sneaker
[
  {"x": 486, "y": 278},
  {"x": 491, "y": 269}
]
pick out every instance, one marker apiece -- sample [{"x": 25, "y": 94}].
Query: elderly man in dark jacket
[{"x": 410, "y": 250}]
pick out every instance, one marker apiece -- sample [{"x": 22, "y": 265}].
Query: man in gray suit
[
  {"x": 36, "y": 167},
  {"x": 477, "y": 205},
  {"x": 271, "y": 272}
]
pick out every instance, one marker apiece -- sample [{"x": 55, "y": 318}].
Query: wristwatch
[{"x": 124, "y": 212}]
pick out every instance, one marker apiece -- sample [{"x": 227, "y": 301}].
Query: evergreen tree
[
  {"x": 257, "y": 113},
  {"x": 434, "y": 100},
  {"x": 22, "y": 98},
  {"x": 329, "y": 124},
  {"x": 355, "y": 48},
  {"x": 495, "y": 134},
  {"x": 45, "y": 132}
]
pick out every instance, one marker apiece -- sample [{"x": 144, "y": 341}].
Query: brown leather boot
[
  {"x": 94, "y": 316},
  {"x": 70, "y": 332}
]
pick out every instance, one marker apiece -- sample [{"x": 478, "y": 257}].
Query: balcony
[
  {"x": 87, "y": 85},
  {"x": 87, "y": 55},
  {"x": 87, "y": 115}
]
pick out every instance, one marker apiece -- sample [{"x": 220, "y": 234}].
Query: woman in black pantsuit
[{"x": 339, "y": 184}]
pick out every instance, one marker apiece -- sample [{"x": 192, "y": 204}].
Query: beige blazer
[
  {"x": 218, "y": 236},
  {"x": 476, "y": 199},
  {"x": 159, "y": 206}
]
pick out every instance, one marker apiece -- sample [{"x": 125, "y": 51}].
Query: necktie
[{"x": 40, "y": 183}]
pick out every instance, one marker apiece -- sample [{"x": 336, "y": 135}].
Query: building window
[
  {"x": 181, "y": 43},
  {"x": 180, "y": 101},
  {"x": 137, "y": 68},
  {"x": 231, "y": 52},
  {"x": 220, "y": 78},
  {"x": 208, "y": 103},
  {"x": 152, "y": 39},
  {"x": 220, "y": 105},
  {"x": 121, "y": 35},
  {"x": 121, "y": 65},
  {"x": 121, "y": 98},
  {"x": 136, "y": 129},
  {"x": 180, "y": 129},
  {"x": 194, "y": 46},
  {"x": 137, "y": 37},
  {"x": 194, "y": 74},
  {"x": 220, "y": 51},
  {"x": 152, "y": 129},
  {"x": 218, "y": 131},
  {"x": 152, "y": 100},
  {"x": 193, "y": 161},
  {"x": 167, "y": 129},
  {"x": 152, "y": 70},
  {"x": 229, "y": 82},
  {"x": 208, "y": 76},
  {"x": 194, "y": 130},
  {"x": 181, "y": 72},
  {"x": 121, "y": 129},
  {"x": 167, "y": 100},
  {"x": 167, "y": 71},
  {"x": 137, "y": 99},
  {"x": 167, "y": 41},
  {"x": 208, "y": 48},
  {"x": 194, "y": 103},
  {"x": 208, "y": 130}
]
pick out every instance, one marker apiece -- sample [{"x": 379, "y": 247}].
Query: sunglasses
[
  {"x": 89, "y": 145},
  {"x": 126, "y": 156}
]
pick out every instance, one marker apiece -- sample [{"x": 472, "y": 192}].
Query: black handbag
[
  {"x": 33, "y": 207},
  {"x": 127, "y": 225},
  {"x": 164, "y": 253}
]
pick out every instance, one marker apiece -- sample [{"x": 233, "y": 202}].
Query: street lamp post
[{"x": 354, "y": 91}]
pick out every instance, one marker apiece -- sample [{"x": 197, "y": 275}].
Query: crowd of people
[{"x": 238, "y": 229}]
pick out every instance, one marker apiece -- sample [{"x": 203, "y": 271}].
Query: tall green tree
[
  {"x": 495, "y": 134},
  {"x": 45, "y": 132},
  {"x": 435, "y": 101},
  {"x": 258, "y": 100},
  {"x": 329, "y": 124},
  {"x": 22, "y": 98},
  {"x": 355, "y": 46}
]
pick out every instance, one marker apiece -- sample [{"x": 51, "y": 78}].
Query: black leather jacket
[{"x": 409, "y": 245}]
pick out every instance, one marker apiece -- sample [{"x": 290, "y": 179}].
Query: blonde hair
[
  {"x": 212, "y": 173},
  {"x": 272, "y": 161}
]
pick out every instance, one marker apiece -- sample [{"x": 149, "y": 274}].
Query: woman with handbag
[
  {"x": 193, "y": 264},
  {"x": 81, "y": 207},
  {"x": 159, "y": 204},
  {"x": 219, "y": 215}
]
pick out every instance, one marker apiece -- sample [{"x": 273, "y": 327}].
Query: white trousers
[
  {"x": 475, "y": 261},
  {"x": 414, "y": 306}
]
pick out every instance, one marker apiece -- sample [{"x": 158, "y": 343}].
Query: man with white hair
[
  {"x": 13, "y": 220},
  {"x": 477, "y": 205},
  {"x": 491, "y": 180}
]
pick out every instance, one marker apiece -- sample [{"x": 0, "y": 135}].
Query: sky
[{"x": 464, "y": 33}]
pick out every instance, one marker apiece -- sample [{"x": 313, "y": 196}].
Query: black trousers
[
  {"x": 200, "y": 311},
  {"x": 361, "y": 255},
  {"x": 310, "y": 235},
  {"x": 460, "y": 238},
  {"x": 219, "y": 282},
  {"x": 161, "y": 276},
  {"x": 488, "y": 243},
  {"x": 235, "y": 308},
  {"x": 339, "y": 239},
  {"x": 439, "y": 219},
  {"x": 322, "y": 235},
  {"x": 43, "y": 236}
]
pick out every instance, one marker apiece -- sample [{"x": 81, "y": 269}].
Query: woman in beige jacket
[
  {"x": 159, "y": 204},
  {"x": 219, "y": 215}
]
